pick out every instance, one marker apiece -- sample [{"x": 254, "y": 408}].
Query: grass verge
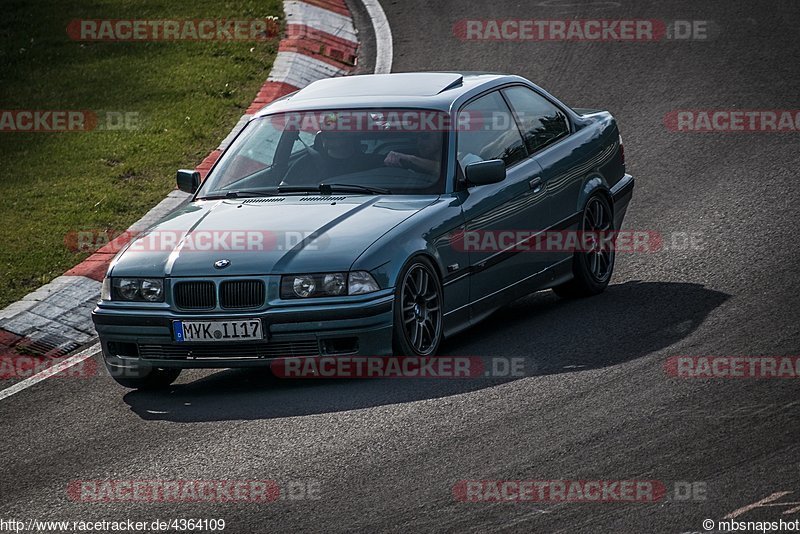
[{"x": 180, "y": 97}]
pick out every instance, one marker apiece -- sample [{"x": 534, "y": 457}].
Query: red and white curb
[{"x": 321, "y": 41}]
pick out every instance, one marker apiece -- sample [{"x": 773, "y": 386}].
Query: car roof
[{"x": 428, "y": 90}]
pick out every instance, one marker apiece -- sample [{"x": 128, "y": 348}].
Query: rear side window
[
  {"x": 488, "y": 133},
  {"x": 541, "y": 122}
]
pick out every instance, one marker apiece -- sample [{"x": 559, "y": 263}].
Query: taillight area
[{"x": 621, "y": 150}]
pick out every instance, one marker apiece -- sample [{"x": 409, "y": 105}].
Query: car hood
[{"x": 265, "y": 235}]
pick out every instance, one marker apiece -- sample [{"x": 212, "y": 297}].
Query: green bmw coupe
[{"x": 369, "y": 216}]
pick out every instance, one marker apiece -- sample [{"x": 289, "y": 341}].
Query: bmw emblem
[{"x": 221, "y": 264}]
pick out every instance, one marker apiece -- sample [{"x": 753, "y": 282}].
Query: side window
[
  {"x": 486, "y": 131},
  {"x": 541, "y": 122}
]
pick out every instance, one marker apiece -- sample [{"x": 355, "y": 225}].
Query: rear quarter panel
[{"x": 601, "y": 154}]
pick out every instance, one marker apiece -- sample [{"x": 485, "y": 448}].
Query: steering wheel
[{"x": 301, "y": 168}]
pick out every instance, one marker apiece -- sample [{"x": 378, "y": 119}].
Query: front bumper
[{"x": 139, "y": 337}]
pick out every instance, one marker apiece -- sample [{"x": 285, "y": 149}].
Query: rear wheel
[
  {"x": 593, "y": 263},
  {"x": 143, "y": 377},
  {"x": 418, "y": 310}
]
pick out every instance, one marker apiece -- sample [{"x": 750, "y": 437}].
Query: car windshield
[{"x": 358, "y": 151}]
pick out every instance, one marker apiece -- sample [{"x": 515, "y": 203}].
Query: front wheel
[
  {"x": 143, "y": 377},
  {"x": 593, "y": 262},
  {"x": 418, "y": 310}
]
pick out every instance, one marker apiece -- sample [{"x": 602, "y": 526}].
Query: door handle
[{"x": 536, "y": 184}]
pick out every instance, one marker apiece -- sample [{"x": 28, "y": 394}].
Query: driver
[
  {"x": 427, "y": 159},
  {"x": 342, "y": 154},
  {"x": 334, "y": 154}
]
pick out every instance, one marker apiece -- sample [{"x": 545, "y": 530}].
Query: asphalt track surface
[{"x": 387, "y": 453}]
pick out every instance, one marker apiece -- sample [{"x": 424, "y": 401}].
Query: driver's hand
[{"x": 394, "y": 159}]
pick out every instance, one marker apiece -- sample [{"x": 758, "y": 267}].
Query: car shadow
[{"x": 548, "y": 334}]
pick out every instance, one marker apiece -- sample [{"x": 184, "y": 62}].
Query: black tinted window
[
  {"x": 541, "y": 122},
  {"x": 487, "y": 131}
]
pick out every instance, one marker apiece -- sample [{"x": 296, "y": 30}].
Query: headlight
[
  {"x": 304, "y": 286},
  {"x": 152, "y": 290},
  {"x": 137, "y": 289},
  {"x": 128, "y": 288},
  {"x": 327, "y": 285},
  {"x": 334, "y": 284}
]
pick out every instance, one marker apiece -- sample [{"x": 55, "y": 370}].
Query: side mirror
[
  {"x": 188, "y": 181},
  {"x": 485, "y": 172}
]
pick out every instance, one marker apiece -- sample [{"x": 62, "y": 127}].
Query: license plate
[{"x": 239, "y": 330}]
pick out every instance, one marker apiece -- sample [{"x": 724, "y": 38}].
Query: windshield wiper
[
  {"x": 328, "y": 188},
  {"x": 325, "y": 189},
  {"x": 296, "y": 189},
  {"x": 218, "y": 195}
]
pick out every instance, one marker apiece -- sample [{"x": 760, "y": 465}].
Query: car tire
[
  {"x": 592, "y": 268},
  {"x": 144, "y": 378},
  {"x": 418, "y": 310}
]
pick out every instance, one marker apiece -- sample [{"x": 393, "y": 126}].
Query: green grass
[{"x": 188, "y": 95}]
